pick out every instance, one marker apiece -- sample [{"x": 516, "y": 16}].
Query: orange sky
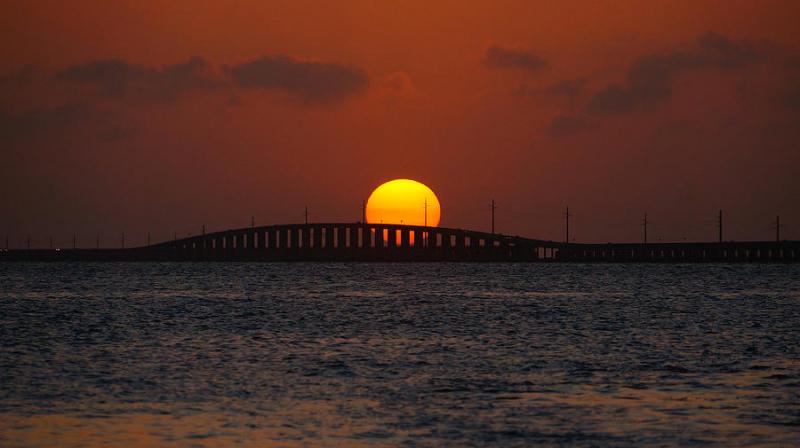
[{"x": 613, "y": 108}]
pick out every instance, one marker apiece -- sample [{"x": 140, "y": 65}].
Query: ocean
[{"x": 314, "y": 354}]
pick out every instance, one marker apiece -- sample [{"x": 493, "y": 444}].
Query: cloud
[
  {"x": 568, "y": 87},
  {"x": 790, "y": 97},
  {"x": 314, "y": 82},
  {"x": 42, "y": 122},
  {"x": 564, "y": 125},
  {"x": 650, "y": 78},
  {"x": 120, "y": 79},
  {"x": 509, "y": 58},
  {"x": 36, "y": 103}
]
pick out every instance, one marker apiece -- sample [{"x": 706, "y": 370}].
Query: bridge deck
[{"x": 387, "y": 242}]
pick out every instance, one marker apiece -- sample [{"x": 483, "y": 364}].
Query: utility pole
[
  {"x": 778, "y": 229},
  {"x": 252, "y": 222},
  {"x": 493, "y": 209},
  {"x": 719, "y": 224},
  {"x": 306, "y": 214},
  {"x": 74, "y": 241},
  {"x": 364, "y": 212},
  {"x": 645, "y": 222},
  {"x": 425, "y": 221},
  {"x": 203, "y": 229},
  {"x": 566, "y": 216}
]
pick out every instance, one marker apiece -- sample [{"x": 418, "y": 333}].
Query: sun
[{"x": 403, "y": 201}]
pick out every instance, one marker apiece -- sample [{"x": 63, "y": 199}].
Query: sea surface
[{"x": 141, "y": 354}]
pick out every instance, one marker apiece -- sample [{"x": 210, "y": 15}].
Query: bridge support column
[
  {"x": 341, "y": 239},
  {"x": 461, "y": 244},
  {"x": 287, "y": 238},
  {"x": 316, "y": 238},
  {"x": 306, "y": 237},
  {"x": 433, "y": 241},
  {"x": 328, "y": 238},
  {"x": 378, "y": 238},
  {"x": 295, "y": 236}
]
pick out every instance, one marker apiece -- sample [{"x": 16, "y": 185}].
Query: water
[{"x": 399, "y": 355}]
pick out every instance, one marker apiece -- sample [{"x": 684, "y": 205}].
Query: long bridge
[{"x": 392, "y": 242}]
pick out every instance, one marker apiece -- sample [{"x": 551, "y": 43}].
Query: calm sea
[{"x": 399, "y": 355}]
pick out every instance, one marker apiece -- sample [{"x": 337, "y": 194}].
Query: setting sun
[{"x": 403, "y": 201}]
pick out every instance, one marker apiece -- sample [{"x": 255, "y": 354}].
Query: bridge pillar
[
  {"x": 240, "y": 244},
  {"x": 379, "y": 237},
  {"x": 447, "y": 245},
  {"x": 353, "y": 235},
  {"x": 366, "y": 237},
  {"x": 435, "y": 239},
  {"x": 405, "y": 238},
  {"x": 391, "y": 234},
  {"x": 270, "y": 238},
  {"x": 217, "y": 244},
  {"x": 329, "y": 237},
  {"x": 339, "y": 242},
  {"x": 419, "y": 239},
  {"x": 317, "y": 237},
  {"x": 225, "y": 247},
  {"x": 287, "y": 238},
  {"x": 306, "y": 237},
  {"x": 295, "y": 236},
  {"x": 461, "y": 243}
]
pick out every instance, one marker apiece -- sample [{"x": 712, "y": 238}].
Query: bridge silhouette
[{"x": 393, "y": 242}]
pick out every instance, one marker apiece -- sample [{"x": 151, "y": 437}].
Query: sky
[{"x": 159, "y": 117}]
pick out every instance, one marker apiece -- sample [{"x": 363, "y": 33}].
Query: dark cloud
[
  {"x": 311, "y": 81},
  {"x": 19, "y": 78},
  {"x": 28, "y": 95},
  {"x": 790, "y": 97},
  {"x": 564, "y": 125},
  {"x": 650, "y": 78},
  {"x": 42, "y": 122},
  {"x": 504, "y": 58},
  {"x": 118, "y": 78},
  {"x": 568, "y": 87}
]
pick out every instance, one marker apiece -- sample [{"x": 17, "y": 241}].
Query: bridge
[{"x": 392, "y": 242}]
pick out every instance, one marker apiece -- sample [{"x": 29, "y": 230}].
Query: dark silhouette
[{"x": 393, "y": 242}]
